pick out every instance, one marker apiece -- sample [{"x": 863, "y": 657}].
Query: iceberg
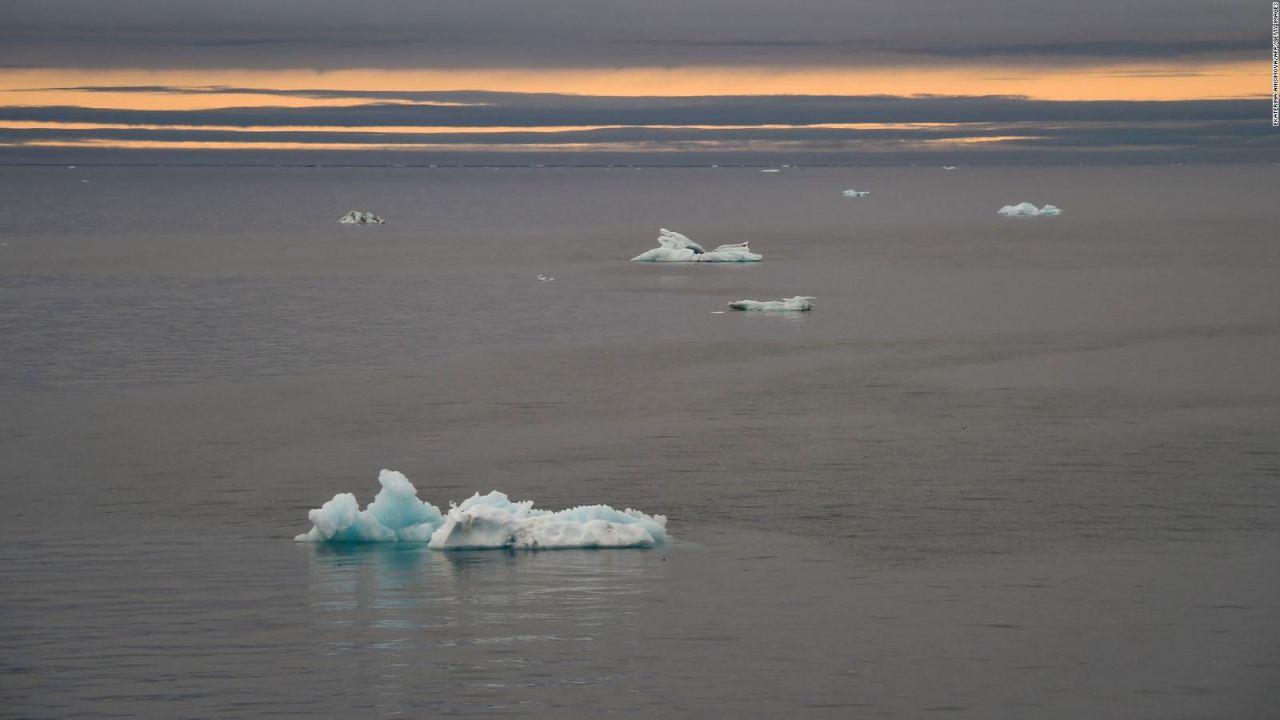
[
  {"x": 674, "y": 247},
  {"x": 1027, "y": 209},
  {"x": 356, "y": 217},
  {"x": 396, "y": 514},
  {"x": 771, "y": 170},
  {"x": 796, "y": 304},
  {"x": 481, "y": 522},
  {"x": 856, "y": 193}
]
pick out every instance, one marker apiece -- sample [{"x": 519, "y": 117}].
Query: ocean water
[{"x": 1007, "y": 468}]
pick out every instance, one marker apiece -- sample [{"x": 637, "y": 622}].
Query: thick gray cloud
[
  {"x": 330, "y": 34},
  {"x": 501, "y": 109}
]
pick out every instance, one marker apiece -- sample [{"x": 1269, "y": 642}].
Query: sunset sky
[{"x": 830, "y": 81}]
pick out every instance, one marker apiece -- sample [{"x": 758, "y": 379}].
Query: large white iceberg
[
  {"x": 674, "y": 247},
  {"x": 356, "y": 217},
  {"x": 797, "y": 303},
  {"x": 481, "y": 522},
  {"x": 1027, "y": 209},
  {"x": 856, "y": 193}
]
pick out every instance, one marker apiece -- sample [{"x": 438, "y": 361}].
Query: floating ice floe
[
  {"x": 856, "y": 193},
  {"x": 1027, "y": 209},
  {"x": 948, "y": 167},
  {"x": 356, "y": 217},
  {"x": 481, "y": 522},
  {"x": 771, "y": 170},
  {"x": 791, "y": 304},
  {"x": 544, "y": 278},
  {"x": 674, "y": 247}
]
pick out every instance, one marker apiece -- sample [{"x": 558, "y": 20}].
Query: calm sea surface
[{"x": 1008, "y": 468}]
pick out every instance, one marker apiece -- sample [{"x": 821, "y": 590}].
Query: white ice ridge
[
  {"x": 674, "y": 247},
  {"x": 797, "y": 303},
  {"x": 1027, "y": 209},
  {"x": 356, "y": 217},
  {"x": 856, "y": 193},
  {"x": 481, "y": 522}
]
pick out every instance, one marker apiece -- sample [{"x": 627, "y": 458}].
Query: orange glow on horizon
[
  {"x": 1121, "y": 81},
  {"x": 449, "y": 129},
  {"x": 895, "y": 144}
]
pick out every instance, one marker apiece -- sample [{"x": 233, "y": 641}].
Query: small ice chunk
[
  {"x": 544, "y": 278},
  {"x": 856, "y": 193},
  {"x": 771, "y": 170},
  {"x": 948, "y": 167},
  {"x": 1027, "y": 209},
  {"x": 674, "y": 247},
  {"x": 798, "y": 303},
  {"x": 356, "y": 217}
]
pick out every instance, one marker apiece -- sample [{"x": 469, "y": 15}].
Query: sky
[{"x": 587, "y": 81}]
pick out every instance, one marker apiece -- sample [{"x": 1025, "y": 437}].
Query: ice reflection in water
[{"x": 454, "y": 629}]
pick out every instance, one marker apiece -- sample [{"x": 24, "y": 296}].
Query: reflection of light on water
[
  {"x": 366, "y": 601},
  {"x": 760, "y": 316},
  {"x": 431, "y": 624}
]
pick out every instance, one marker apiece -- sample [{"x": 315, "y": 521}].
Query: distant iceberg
[
  {"x": 356, "y": 217},
  {"x": 856, "y": 193},
  {"x": 481, "y": 522},
  {"x": 1027, "y": 209},
  {"x": 674, "y": 247},
  {"x": 771, "y": 170},
  {"x": 791, "y": 304}
]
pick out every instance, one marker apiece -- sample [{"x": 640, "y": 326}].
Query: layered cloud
[
  {"x": 995, "y": 79},
  {"x": 453, "y": 121}
]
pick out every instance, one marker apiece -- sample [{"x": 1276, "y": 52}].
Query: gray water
[{"x": 1008, "y": 468}]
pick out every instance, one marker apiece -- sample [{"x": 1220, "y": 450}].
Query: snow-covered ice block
[
  {"x": 492, "y": 521},
  {"x": 797, "y": 303},
  {"x": 356, "y": 217},
  {"x": 674, "y": 247},
  {"x": 856, "y": 193},
  {"x": 1027, "y": 209}
]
